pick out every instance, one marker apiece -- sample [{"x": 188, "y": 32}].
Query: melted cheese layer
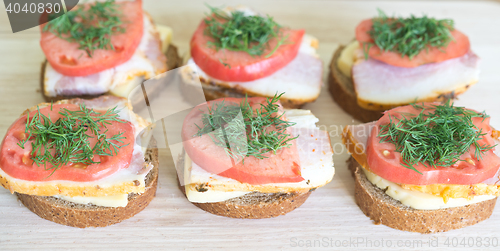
[
  {"x": 120, "y": 200},
  {"x": 418, "y": 200}
]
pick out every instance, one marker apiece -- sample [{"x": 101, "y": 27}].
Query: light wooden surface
[{"x": 330, "y": 216}]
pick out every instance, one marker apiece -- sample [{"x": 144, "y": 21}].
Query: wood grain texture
[{"x": 329, "y": 218}]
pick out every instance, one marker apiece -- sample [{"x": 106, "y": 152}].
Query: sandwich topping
[
  {"x": 397, "y": 61},
  {"x": 248, "y": 140},
  {"x": 206, "y": 181},
  {"x": 67, "y": 142},
  {"x": 243, "y": 46},
  {"x": 432, "y": 143},
  {"x": 93, "y": 37},
  {"x": 411, "y": 42},
  {"x": 429, "y": 155}
]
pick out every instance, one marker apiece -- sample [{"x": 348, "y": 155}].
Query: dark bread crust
[
  {"x": 383, "y": 209},
  {"x": 254, "y": 205},
  {"x": 342, "y": 90},
  {"x": 173, "y": 61},
  {"x": 82, "y": 216}
]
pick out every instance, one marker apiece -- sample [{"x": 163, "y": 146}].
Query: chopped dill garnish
[
  {"x": 409, "y": 36},
  {"x": 437, "y": 136},
  {"x": 264, "y": 127},
  {"x": 90, "y": 27},
  {"x": 239, "y": 32},
  {"x": 67, "y": 139}
]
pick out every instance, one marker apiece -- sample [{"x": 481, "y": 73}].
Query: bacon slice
[
  {"x": 378, "y": 84},
  {"x": 300, "y": 80},
  {"x": 147, "y": 62}
]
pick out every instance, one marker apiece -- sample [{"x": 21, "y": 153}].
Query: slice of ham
[
  {"x": 147, "y": 62},
  {"x": 376, "y": 82}
]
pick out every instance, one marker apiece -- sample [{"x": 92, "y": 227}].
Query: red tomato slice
[
  {"x": 15, "y": 161},
  {"x": 279, "y": 168},
  {"x": 462, "y": 173},
  {"x": 67, "y": 59},
  {"x": 455, "y": 49},
  {"x": 239, "y": 66}
]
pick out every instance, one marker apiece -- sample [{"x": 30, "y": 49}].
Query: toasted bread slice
[
  {"x": 342, "y": 90},
  {"x": 82, "y": 216},
  {"x": 383, "y": 209},
  {"x": 254, "y": 205},
  {"x": 173, "y": 61}
]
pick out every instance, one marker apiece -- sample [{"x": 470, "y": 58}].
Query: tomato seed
[
  {"x": 67, "y": 60},
  {"x": 26, "y": 160},
  {"x": 80, "y": 166},
  {"x": 470, "y": 161},
  {"x": 20, "y": 135}
]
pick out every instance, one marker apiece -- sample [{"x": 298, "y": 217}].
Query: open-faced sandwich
[
  {"x": 249, "y": 158},
  {"x": 397, "y": 61},
  {"x": 75, "y": 162},
  {"x": 426, "y": 167},
  {"x": 103, "y": 47},
  {"x": 237, "y": 52}
]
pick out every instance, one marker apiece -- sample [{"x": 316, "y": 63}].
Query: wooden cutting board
[{"x": 330, "y": 218}]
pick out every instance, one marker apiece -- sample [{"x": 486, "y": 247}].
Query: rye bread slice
[
  {"x": 253, "y": 205},
  {"x": 383, "y": 209},
  {"x": 342, "y": 90},
  {"x": 82, "y": 216},
  {"x": 173, "y": 61}
]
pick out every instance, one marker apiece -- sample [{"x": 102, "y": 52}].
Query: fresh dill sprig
[
  {"x": 239, "y": 32},
  {"x": 67, "y": 139},
  {"x": 264, "y": 127},
  {"x": 437, "y": 136},
  {"x": 409, "y": 36},
  {"x": 90, "y": 27}
]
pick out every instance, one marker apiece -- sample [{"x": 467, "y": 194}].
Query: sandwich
[
  {"x": 250, "y": 158},
  {"x": 237, "y": 52},
  {"x": 426, "y": 167},
  {"x": 103, "y": 48},
  {"x": 398, "y": 61},
  {"x": 76, "y": 162}
]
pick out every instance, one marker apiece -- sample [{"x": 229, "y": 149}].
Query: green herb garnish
[
  {"x": 264, "y": 128},
  {"x": 409, "y": 36},
  {"x": 90, "y": 27},
  {"x": 67, "y": 140},
  {"x": 238, "y": 32},
  {"x": 437, "y": 136}
]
